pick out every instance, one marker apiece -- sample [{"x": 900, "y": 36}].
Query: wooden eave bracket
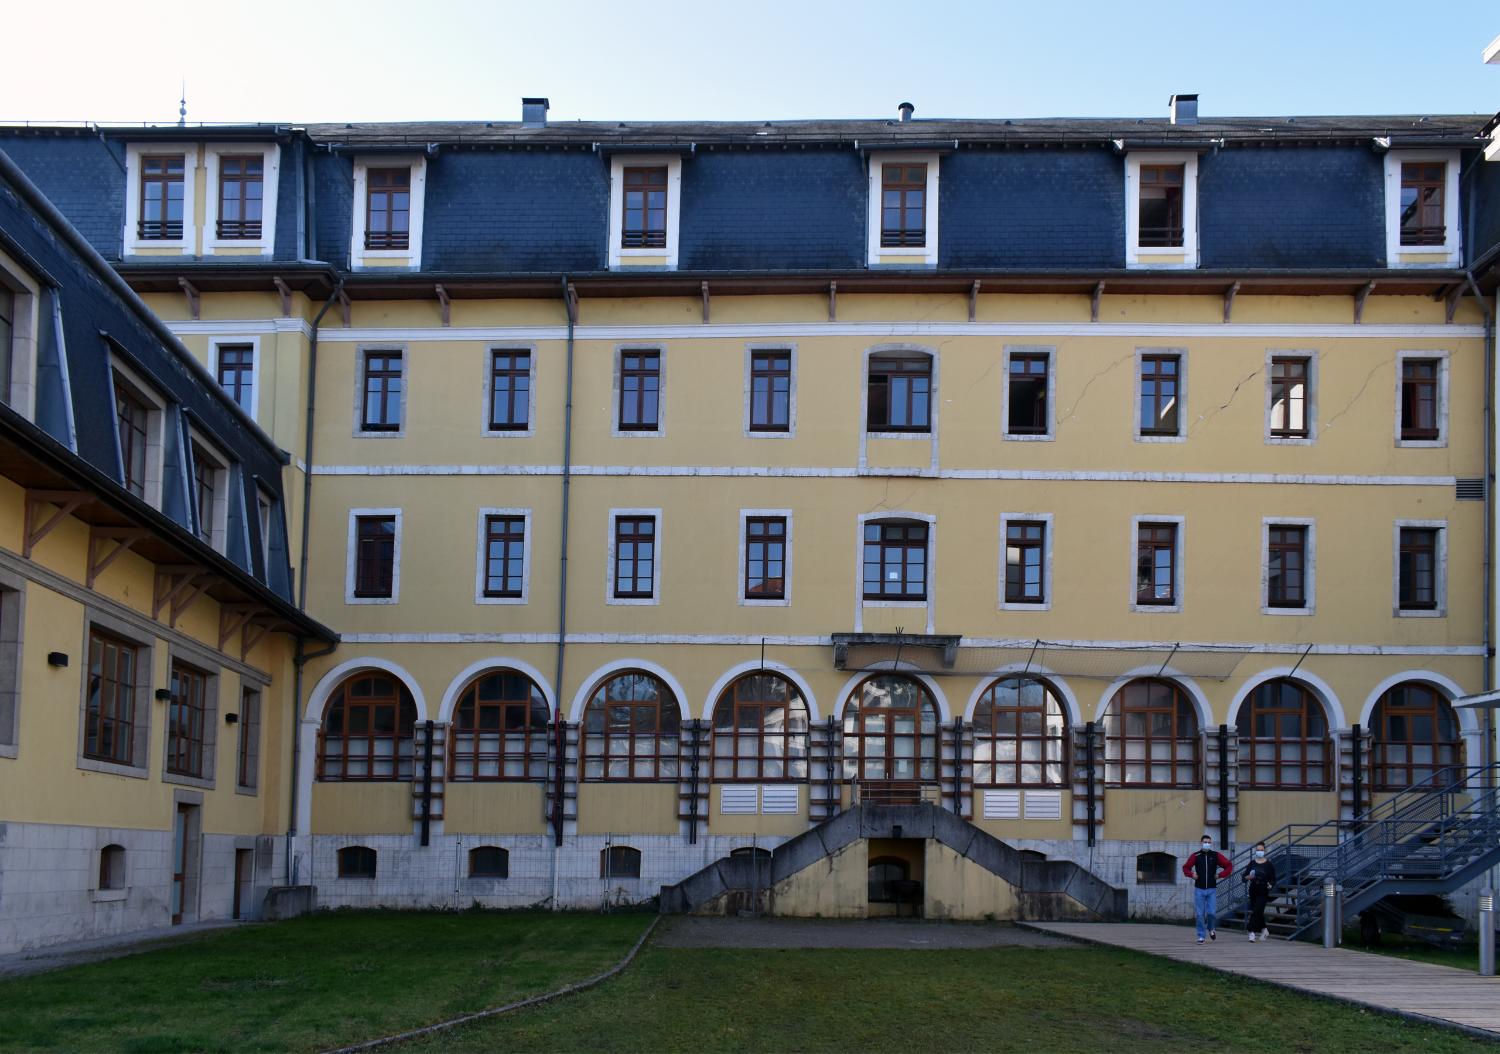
[
  {"x": 172, "y": 582},
  {"x": 1454, "y": 299},
  {"x": 1359, "y": 301},
  {"x": 974, "y": 299},
  {"x": 286, "y": 296},
  {"x": 570, "y": 302},
  {"x": 1229, "y": 295},
  {"x": 705, "y": 303},
  {"x": 101, "y": 555},
  {"x": 252, "y": 632},
  {"x": 443, "y": 303},
  {"x": 346, "y": 308},
  {"x": 1094, "y": 305},
  {"x": 37, "y": 528},
  {"x": 232, "y": 619},
  {"x": 191, "y": 292},
  {"x": 833, "y": 301}
]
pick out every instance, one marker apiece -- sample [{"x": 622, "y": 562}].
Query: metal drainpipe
[
  {"x": 562, "y": 571},
  {"x": 1224, "y": 786},
  {"x": 301, "y": 658}
]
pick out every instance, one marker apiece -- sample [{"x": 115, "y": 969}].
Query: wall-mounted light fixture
[
  {"x": 163, "y": 695},
  {"x": 57, "y": 658},
  {"x": 230, "y": 719}
]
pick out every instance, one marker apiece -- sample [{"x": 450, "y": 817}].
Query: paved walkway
[
  {"x": 699, "y": 931},
  {"x": 76, "y": 953},
  {"x": 1439, "y": 994}
]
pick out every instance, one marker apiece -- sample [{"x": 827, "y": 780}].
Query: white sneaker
[
  {"x": 1200, "y": 940},
  {"x": 1265, "y": 935},
  {"x": 1252, "y": 938}
]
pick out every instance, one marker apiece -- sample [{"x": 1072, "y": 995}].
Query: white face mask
[
  {"x": 1207, "y": 846},
  {"x": 1260, "y": 854}
]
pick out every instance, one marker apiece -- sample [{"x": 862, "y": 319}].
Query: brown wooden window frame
[
  {"x": 633, "y": 737},
  {"x": 1421, "y": 399},
  {"x": 904, "y": 537},
  {"x": 382, "y": 390},
  {"x": 1418, "y": 559},
  {"x": 1286, "y": 565},
  {"x": 640, "y": 390},
  {"x": 382, "y": 189},
  {"x": 1028, "y": 538},
  {"x": 247, "y": 750},
  {"x": 188, "y": 714},
  {"x": 766, "y": 539},
  {"x": 1017, "y": 716},
  {"x": 236, "y": 372},
  {"x": 903, "y": 196},
  {"x": 489, "y": 861},
  {"x": 899, "y": 392},
  {"x": 375, "y": 556},
  {"x": 1282, "y": 726},
  {"x": 1287, "y": 372},
  {"x": 1427, "y": 182},
  {"x": 1028, "y": 380},
  {"x": 760, "y": 731},
  {"x": 1161, "y": 394},
  {"x": 1172, "y": 234},
  {"x": 1394, "y": 765},
  {"x": 1180, "y": 738},
  {"x": 156, "y": 181},
  {"x": 872, "y": 738},
  {"x": 133, "y": 428},
  {"x": 1151, "y": 540},
  {"x": 241, "y": 181},
  {"x": 634, "y": 532},
  {"x": 770, "y": 390},
  {"x": 500, "y": 731},
  {"x": 102, "y": 701},
  {"x": 643, "y": 224},
  {"x": 387, "y": 754},
  {"x": 510, "y": 390},
  {"x": 507, "y": 566},
  {"x": 206, "y": 486}
]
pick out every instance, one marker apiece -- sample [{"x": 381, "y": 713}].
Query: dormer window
[
  {"x": 903, "y": 206},
  {"x": 161, "y": 198},
  {"x": 211, "y": 491},
  {"x": 240, "y": 211},
  {"x": 388, "y": 213},
  {"x": 388, "y": 204},
  {"x": 1422, "y": 186},
  {"x": 241, "y": 196},
  {"x": 645, "y": 212},
  {"x": 903, "y": 230},
  {"x": 160, "y": 211},
  {"x": 1421, "y": 209},
  {"x": 1161, "y": 210},
  {"x": 645, "y": 198},
  {"x": 139, "y": 430},
  {"x": 1161, "y": 205}
]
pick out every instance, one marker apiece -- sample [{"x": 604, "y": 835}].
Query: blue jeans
[{"x": 1205, "y": 907}]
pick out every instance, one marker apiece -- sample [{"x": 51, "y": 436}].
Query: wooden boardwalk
[{"x": 1442, "y": 995}]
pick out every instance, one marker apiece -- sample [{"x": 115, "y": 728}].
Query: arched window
[
  {"x": 1416, "y": 735},
  {"x": 1155, "y": 869},
  {"x": 1283, "y": 735},
  {"x": 631, "y": 728},
  {"x": 500, "y": 729},
  {"x": 367, "y": 730},
  {"x": 751, "y": 852},
  {"x": 1151, "y": 736},
  {"x": 489, "y": 861},
  {"x": 890, "y": 731},
  {"x": 356, "y": 861},
  {"x": 760, "y": 730},
  {"x": 890, "y": 881},
  {"x": 112, "y": 867},
  {"x": 619, "y": 861},
  {"x": 1020, "y": 735}
]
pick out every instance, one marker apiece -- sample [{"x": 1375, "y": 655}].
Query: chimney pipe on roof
[
  {"x": 907, "y": 109},
  {"x": 1184, "y": 109},
  {"x": 534, "y": 113}
]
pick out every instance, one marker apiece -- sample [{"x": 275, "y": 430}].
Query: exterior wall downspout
[{"x": 570, "y": 308}]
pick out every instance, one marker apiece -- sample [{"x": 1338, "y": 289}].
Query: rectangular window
[
  {"x": 510, "y": 390},
  {"x": 241, "y": 193},
  {"x": 1418, "y": 569},
  {"x": 640, "y": 390},
  {"x": 1286, "y": 566},
  {"x": 899, "y": 398},
  {"x": 1289, "y": 397},
  {"x": 1025, "y": 553},
  {"x": 382, "y": 392},
  {"x": 205, "y": 478},
  {"x": 765, "y": 558},
  {"x": 109, "y": 710},
  {"x": 1161, "y": 377},
  {"x": 264, "y": 508},
  {"x": 903, "y": 206},
  {"x": 1419, "y": 398},
  {"x": 895, "y": 561},
  {"x": 388, "y": 208},
  {"x": 237, "y": 372},
  {"x": 1028, "y": 395},
  {"x": 1156, "y": 564},
  {"x": 504, "y": 555},
  {"x": 247, "y": 756},
  {"x": 186, "y": 719},
  {"x": 1422, "y": 188},
  {"x": 7, "y": 334},
  {"x": 635, "y": 556},
  {"x": 131, "y": 416},
  {"x": 770, "y": 391},
  {"x": 374, "y": 556},
  {"x": 161, "y": 198},
  {"x": 645, "y": 209},
  {"x": 1161, "y": 206}
]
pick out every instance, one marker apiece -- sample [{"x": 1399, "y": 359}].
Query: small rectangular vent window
[{"x": 1469, "y": 490}]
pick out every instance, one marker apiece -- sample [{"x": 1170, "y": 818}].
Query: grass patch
[
  {"x": 308, "y": 984},
  {"x": 998, "y": 999}
]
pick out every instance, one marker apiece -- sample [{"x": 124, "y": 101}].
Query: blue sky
[{"x": 321, "y": 60}]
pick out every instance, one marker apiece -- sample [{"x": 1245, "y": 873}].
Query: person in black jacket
[
  {"x": 1260, "y": 877},
  {"x": 1207, "y": 868}
]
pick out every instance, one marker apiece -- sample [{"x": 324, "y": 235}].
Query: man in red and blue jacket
[{"x": 1206, "y": 868}]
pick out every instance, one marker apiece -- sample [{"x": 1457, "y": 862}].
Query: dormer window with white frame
[
  {"x": 240, "y": 212},
  {"x": 140, "y": 423},
  {"x": 903, "y": 211},
  {"x": 160, "y": 184},
  {"x": 210, "y": 493},
  {"x": 389, "y": 194},
  {"x": 20, "y": 299},
  {"x": 645, "y": 203},
  {"x": 1161, "y": 210},
  {"x": 1421, "y": 209}
]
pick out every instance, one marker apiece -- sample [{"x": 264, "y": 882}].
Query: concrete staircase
[{"x": 1046, "y": 889}]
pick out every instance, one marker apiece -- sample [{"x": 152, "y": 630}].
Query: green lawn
[{"x": 308, "y": 984}]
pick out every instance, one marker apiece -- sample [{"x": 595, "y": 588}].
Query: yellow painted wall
[
  {"x": 956, "y": 888},
  {"x": 1261, "y": 812},
  {"x": 1153, "y": 815},
  {"x": 835, "y": 888},
  {"x": 627, "y": 808},
  {"x": 362, "y": 808},
  {"x": 787, "y": 825},
  {"x": 488, "y": 808}
]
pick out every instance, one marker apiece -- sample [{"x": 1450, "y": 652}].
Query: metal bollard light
[
  {"x": 1330, "y": 914},
  {"x": 1487, "y": 932}
]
